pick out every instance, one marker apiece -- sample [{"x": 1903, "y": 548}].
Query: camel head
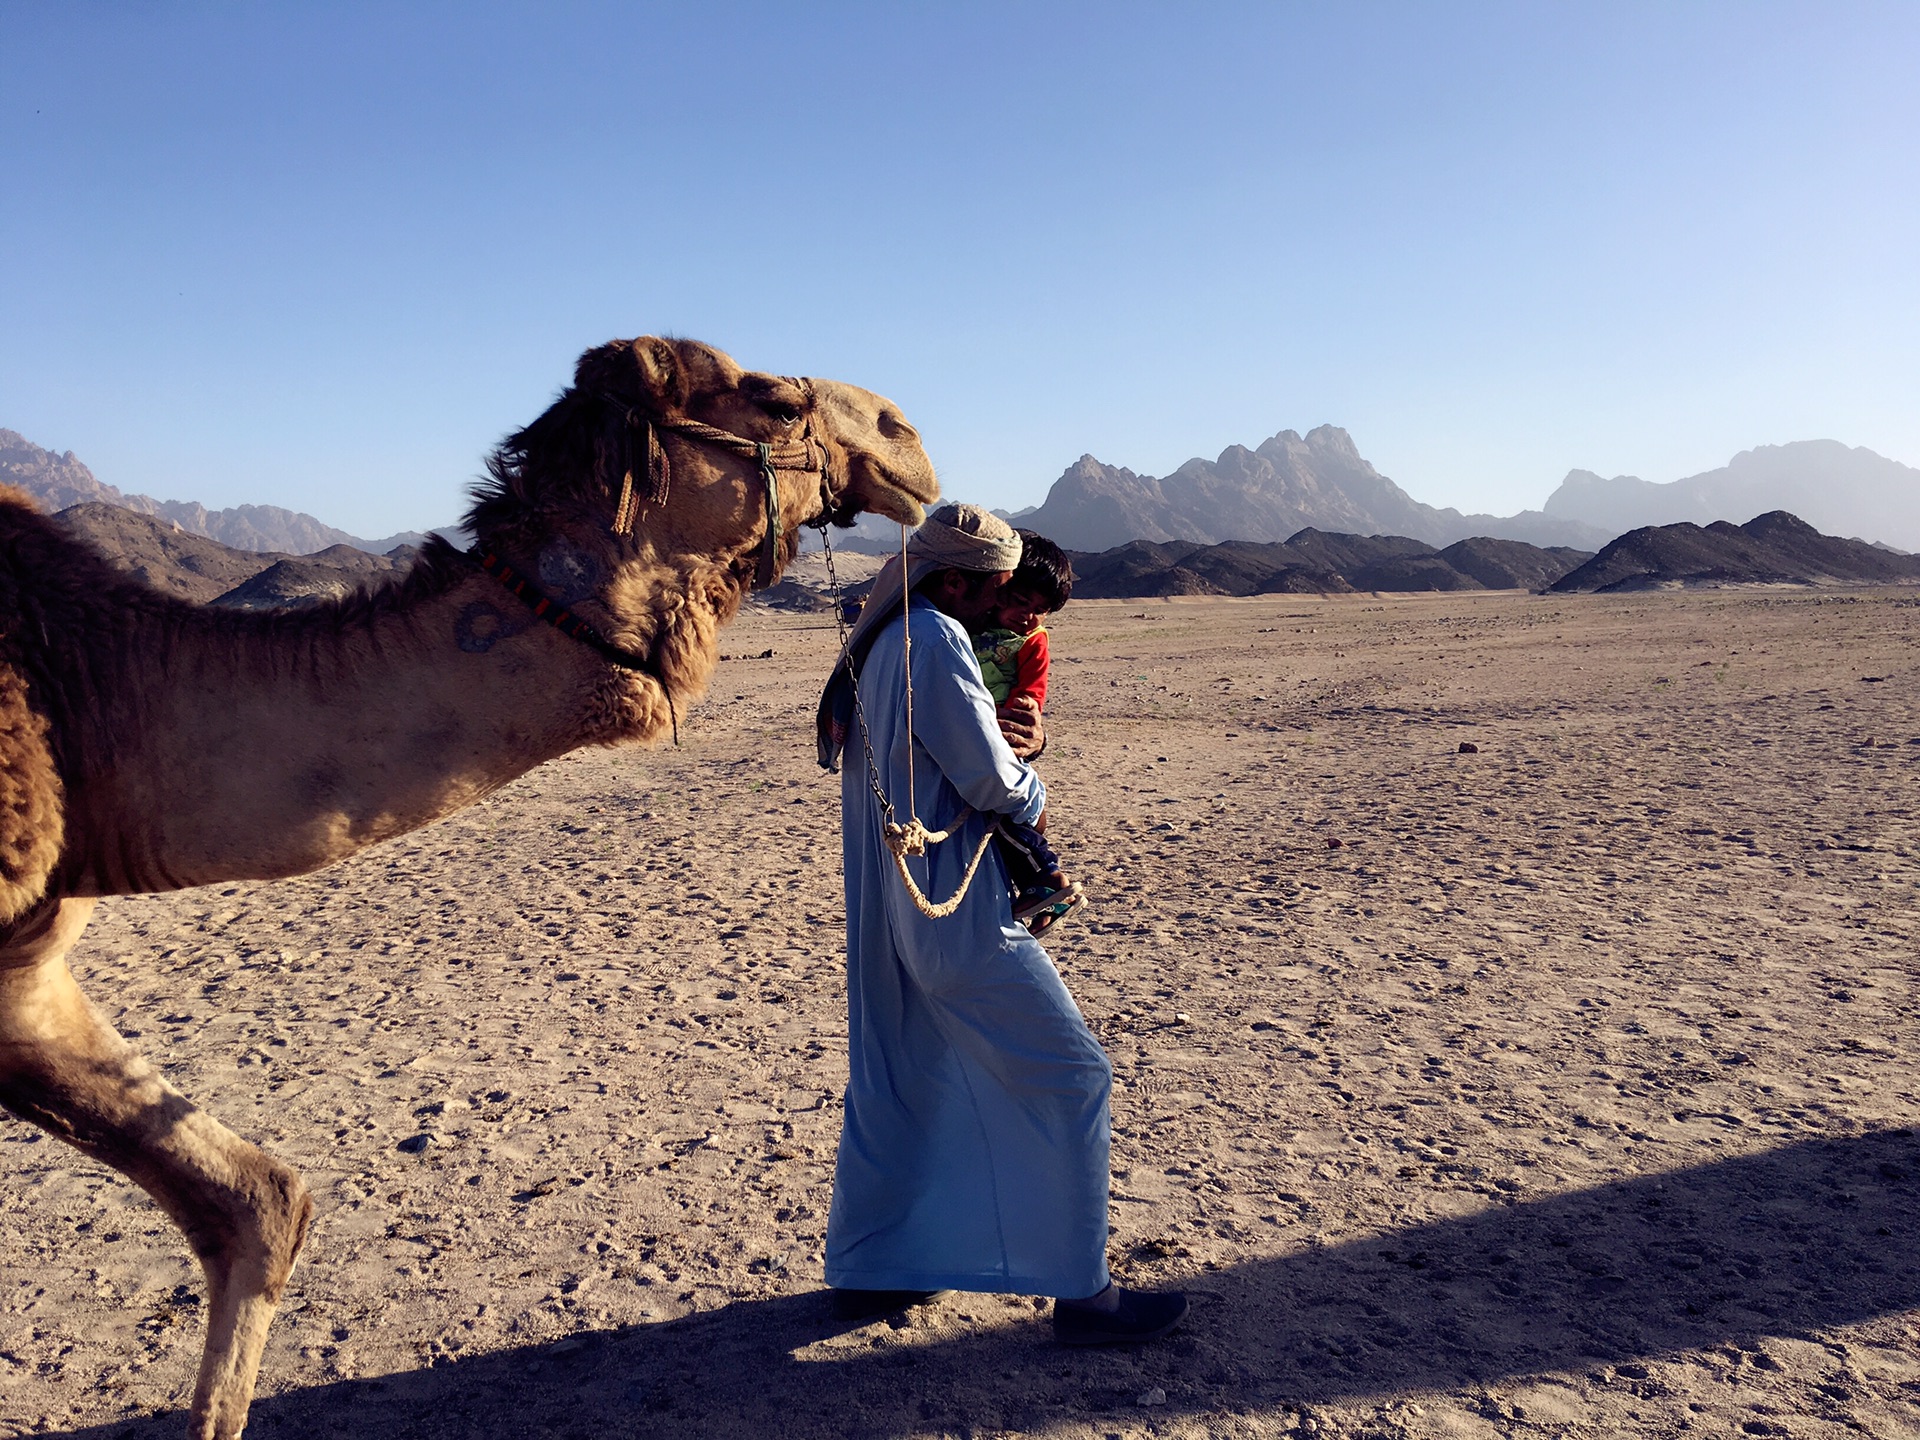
[{"x": 638, "y": 499}]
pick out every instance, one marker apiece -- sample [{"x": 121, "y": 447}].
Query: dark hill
[
  {"x": 1411, "y": 572},
  {"x": 1334, "y": 551},
  {"x": 310, "y": 579},
  {"x": 1772, "y": 549},
  {"x": 1312, "y": 562},
  {"x": 1511, "y": 565},
  {"x": 204, "y": 571},
  {"x": 161, "y": 553}
]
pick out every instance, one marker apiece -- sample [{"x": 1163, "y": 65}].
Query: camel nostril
[{"x": 894, "y": 426}]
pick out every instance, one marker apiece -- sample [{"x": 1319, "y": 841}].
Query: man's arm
[
  {"x": 953, "y": 720},
  {"x": 1021, "y": 726}
]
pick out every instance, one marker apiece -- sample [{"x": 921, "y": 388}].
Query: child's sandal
[{"x": 1041, "y": 909}]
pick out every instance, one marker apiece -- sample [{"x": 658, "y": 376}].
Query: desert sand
[{"x": 1559, "y": 1087}]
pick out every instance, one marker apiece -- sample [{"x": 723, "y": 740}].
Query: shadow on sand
[{"x": 1781, "y": 1244}]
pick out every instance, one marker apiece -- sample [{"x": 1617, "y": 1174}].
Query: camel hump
[{"x": 30, "y": 799}]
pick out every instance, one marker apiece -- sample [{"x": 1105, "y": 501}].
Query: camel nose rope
[{"x": 912, "y": 838}]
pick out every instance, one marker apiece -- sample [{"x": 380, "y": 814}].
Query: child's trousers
[{"x": 1029, "y": 859}]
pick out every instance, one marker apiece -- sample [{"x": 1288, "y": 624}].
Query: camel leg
[{"x": 244, "y": 1213}]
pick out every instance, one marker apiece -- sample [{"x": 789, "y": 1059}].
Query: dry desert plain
[{"x": 1567, "y": 1094}]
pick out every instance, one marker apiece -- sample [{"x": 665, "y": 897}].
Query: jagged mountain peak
[
  {"x": 1336, "y": 441},
  {"x": 1286, "y": 484}
]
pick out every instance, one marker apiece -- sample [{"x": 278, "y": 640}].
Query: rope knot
[{"x": 912, "y": 838}]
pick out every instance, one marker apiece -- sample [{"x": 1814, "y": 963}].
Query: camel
[{"x": 149, "y": 744}]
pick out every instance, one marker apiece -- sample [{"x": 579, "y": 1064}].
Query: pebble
[
  {"x": 1467, "y": 747},
  {"x": 1155, "y": 1396},
  {"x": 1181, "y": 1017},
  {"x": 414, "y": 1144}
]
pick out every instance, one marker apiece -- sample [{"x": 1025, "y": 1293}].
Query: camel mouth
[
  {"x": 890, "y": 472},
  {"x": 898, "y": 484},
  {"x": 897, "y": 505}
]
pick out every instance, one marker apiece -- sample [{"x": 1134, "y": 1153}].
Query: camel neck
[{"x": 264, "y": 746}]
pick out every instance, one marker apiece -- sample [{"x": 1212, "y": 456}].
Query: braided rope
[
  {"x": 913, "y": 838},
  {"x": 793, "y": 455}
]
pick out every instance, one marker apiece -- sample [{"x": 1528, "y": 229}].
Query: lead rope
[{"x": 912, "y": 838}]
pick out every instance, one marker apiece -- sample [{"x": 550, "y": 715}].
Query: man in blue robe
[{"x": 973, "y": 1153}]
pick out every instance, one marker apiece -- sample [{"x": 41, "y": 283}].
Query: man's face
[{"x": 969, "y": 597}]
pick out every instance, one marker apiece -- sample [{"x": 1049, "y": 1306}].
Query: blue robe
[{"x": 973, "y": 1154}]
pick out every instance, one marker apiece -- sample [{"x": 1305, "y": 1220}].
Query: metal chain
[{"x": 906, "y": 641}]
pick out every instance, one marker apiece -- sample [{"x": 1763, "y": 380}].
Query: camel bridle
[
  {"x": 804, "y": 454},
  {"x": 642, "y": 432}
]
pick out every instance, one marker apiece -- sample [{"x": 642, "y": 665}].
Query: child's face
[{"x": 1019, "y": 610}]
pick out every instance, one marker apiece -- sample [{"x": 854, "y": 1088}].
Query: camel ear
[
  {"x": 646, "y": 372},
  {"x": 663, "y": 379}
]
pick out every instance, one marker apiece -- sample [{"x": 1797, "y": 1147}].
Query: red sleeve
[{"x": 1030, "y": 671}]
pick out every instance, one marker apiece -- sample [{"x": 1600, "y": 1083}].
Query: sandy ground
[{"x": 1566, "y": 1096}]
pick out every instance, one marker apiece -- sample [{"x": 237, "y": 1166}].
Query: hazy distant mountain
[
  {"x": 1835, "y": 488},
  {"x": 1772, "y": 549},
  {"x": 1288, "y": 484},
  {"x": 59, "y": 481}
]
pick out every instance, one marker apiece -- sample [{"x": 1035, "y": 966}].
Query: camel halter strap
[
  {"x": 912, "y": 838},
  {"x": 573, "y": 627}
]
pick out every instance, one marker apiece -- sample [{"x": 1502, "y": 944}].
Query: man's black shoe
[
  {"x": 1140, "y": 1315},
  {"x": 872, "y": 1304}
]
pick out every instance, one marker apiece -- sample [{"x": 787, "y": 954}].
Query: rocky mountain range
[
  {"x": 59, "y": 481},
  {"x": 1840, "y": 489},
  {"x": 1270, "y": 493}
]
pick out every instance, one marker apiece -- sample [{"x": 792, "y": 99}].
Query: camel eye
[{"x": 778, "y": 410}]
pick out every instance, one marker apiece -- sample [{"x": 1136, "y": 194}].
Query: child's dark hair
[{"x": 1044, "y": 570}]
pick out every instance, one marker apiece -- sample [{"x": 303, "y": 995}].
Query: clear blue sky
[{"x": 324, "y": 255}]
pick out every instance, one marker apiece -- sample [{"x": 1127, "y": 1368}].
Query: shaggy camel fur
[{"x": 148, "y": 744}]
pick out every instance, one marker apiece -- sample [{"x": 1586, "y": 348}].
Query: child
[{"x": 1013, "y": 663}]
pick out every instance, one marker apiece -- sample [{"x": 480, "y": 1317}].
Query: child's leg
[
  {"x": 1031, "y": 862},
  {"x": 1016, "y": 860},
  {"x": 1043, "y": 895}
]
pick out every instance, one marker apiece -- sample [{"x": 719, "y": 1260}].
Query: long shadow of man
[{"x": 1784, "y": 1244}]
